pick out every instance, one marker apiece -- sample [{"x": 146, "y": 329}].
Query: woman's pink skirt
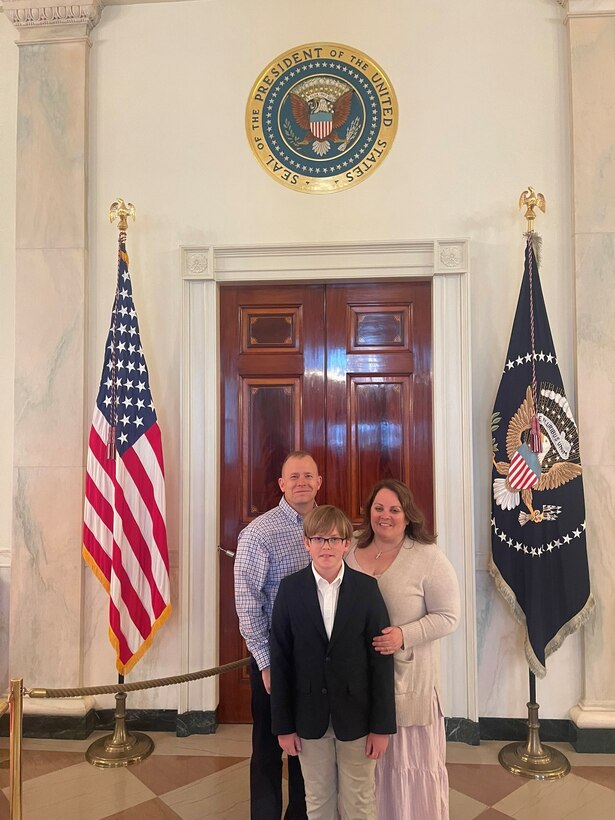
[{"x": 411, "y": 777}]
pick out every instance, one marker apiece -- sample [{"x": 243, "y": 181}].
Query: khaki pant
[{"x": 338, "y": 770}]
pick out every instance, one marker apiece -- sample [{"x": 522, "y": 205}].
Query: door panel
[
  {"x": 272, "y": 380},
  {"x": 378, "y": 390},
  {"x": 271, "y": 419},
  {"x": 379, "y": 430},
  {"x": 342, "y": 371}
]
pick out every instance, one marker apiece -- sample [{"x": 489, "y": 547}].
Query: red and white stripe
[
  {"x": 125, "y": 540},
  {"x": 520, "y": 475},
  {"x": 321, "y": 128}
]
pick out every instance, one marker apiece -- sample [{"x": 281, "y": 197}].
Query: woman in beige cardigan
[{"x": 420, "y": 589}]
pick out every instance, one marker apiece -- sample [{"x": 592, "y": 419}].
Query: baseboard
[
  {"x": 140, "y": 720},
  {"x": 593, "y": 741},
  {"x": 460, "y": 730},
  {"x": 58, "y": 727},
  {"x": 586, "y": 741},
  {"x": 551, "y": 731},
  {"x": 196, "y": 723}
]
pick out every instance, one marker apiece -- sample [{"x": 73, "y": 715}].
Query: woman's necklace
[{"x": 390, "y": 549}]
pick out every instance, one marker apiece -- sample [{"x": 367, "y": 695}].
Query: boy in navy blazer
[{"x": 332, "y": 694}]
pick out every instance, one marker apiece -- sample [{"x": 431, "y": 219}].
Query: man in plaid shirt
[{"x": 270, "y": 548}]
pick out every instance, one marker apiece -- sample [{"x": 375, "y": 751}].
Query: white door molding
[{"x": 204, "y": 269}]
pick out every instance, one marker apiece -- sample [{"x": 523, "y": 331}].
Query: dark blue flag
[{"x": 539, "y": 554}]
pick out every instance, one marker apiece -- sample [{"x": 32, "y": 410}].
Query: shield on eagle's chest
[
  {"x": 524, "y": 471},
  {"x": 321, "y": 124}
]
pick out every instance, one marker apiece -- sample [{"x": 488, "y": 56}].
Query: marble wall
[
  {"x": 8, "y": 130},
  {"x": 592, "y": 48},
  {"x": 49, "y": 362}
]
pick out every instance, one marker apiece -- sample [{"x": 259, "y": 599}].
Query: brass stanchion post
[
  {"x": 121, "y": 748},
  {"x": 16, "y": 722}
]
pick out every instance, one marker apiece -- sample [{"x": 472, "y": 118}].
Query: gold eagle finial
[
  {"x": 122, "y": 210},
  {"x": 531, "y": 200}
]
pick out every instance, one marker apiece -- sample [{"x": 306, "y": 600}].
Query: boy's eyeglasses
[{"x": 320, "y": 540}]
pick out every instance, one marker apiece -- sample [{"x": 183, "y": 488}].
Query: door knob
[{"x": 230, "y": 553}]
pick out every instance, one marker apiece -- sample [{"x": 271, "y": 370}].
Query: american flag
[{"x": 124, "y": 531}]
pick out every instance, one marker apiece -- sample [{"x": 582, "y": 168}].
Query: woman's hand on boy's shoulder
[{"x": 291, "y": 744}]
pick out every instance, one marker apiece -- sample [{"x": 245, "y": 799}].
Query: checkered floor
[{"x": 206, "y": 776}]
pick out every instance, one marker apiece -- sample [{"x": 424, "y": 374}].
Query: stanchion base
[
  {"x": 549, "y": 765},
  {"x": 108, "y": 755}
]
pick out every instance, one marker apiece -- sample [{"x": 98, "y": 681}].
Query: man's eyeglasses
[{"x": 320, "y": 540}]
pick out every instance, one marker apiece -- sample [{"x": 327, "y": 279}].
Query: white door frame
[{"x": 204, "y": 269}]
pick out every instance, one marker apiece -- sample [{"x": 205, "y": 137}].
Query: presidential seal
[{"x": 321, "y": 117}]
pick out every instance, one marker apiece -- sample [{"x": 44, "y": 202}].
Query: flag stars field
[
  {"x": 564, "y": 541},
  {"x": 528, "y": 357}
]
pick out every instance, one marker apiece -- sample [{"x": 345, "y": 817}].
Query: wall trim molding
[
  {"x": 594, "y": 715},
  {"x": 588, "y": 8},
  {"x": 44, "y": 21},
  {"x": 204, "y": 270}
]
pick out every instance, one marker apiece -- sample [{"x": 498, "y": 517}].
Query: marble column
[
  {"x": 51, "y": 269},
  {"x": 591, "y": 25}
]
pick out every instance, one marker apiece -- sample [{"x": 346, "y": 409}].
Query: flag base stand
[
  {"x": 532, "y": 759},
  {"x": 122, "y": 748}
]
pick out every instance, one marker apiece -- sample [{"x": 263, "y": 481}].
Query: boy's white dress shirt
[{"x": 328, "y": 593}]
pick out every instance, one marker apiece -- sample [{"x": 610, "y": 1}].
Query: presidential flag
[
  {"x": 539, "y": 555},
  {"x": 124, "y": 531}
]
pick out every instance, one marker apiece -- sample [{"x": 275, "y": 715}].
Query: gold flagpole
[
  {"x": 122, "y": 748},
  {"x": 532, "y": 759}
]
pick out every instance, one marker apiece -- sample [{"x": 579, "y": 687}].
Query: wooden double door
[{"x": 340, "y": 370}]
